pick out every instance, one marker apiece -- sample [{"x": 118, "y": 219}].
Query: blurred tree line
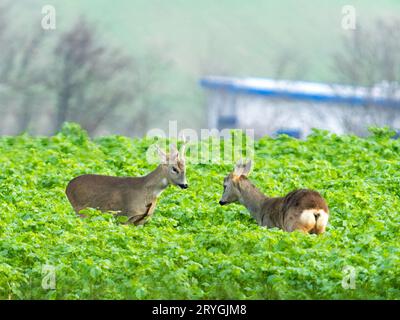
[
  {"x": 49, "y": 77},
  {"x": 370, "y": 57}
]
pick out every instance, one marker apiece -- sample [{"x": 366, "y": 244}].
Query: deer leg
[
  {"x": 141, "y": 222},
  {"x": 137, "y": 219}
]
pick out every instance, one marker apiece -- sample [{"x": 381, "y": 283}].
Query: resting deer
[
  {"x": 134, "y": 197},
  {"x": 303, "y": 209}
]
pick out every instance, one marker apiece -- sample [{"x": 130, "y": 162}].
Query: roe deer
[
  {"x": 134, "y": 197},
  {"x": 304, "y": 210}
]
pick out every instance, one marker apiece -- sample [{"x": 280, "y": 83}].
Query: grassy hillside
[
  {"x": 193, "y": 248},
  {"x": 244, "y": 35}
]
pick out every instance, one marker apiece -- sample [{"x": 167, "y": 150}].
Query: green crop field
[{"x": 192, "y": 248}]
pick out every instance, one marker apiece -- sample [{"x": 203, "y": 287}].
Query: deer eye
[{"x": 175, "y": 170}]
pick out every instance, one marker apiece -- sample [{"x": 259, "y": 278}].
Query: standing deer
[
  {"x": 304, "y": 210},
  {"x": 134, "y": 197}
]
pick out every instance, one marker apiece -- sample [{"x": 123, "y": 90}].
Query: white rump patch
[
  {"x": 314, "y": 217},
  {"x": 307, "y": 218},
  {"x": 323, "y": 219}
]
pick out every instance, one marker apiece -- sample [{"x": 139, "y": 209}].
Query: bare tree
[
  {"x": 91, "y": 79},
  {"x": 370, "y": 57},
  {"x": 77, "y": 76},
  {"x": 20, "y": 69}
]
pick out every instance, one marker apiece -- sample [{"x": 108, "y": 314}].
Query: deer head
[
  {"x": 231, "y": 182},
  {"x": 174, "y": 165}
]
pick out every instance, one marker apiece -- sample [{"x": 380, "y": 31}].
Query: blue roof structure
[{"x": 300, "y": 90}]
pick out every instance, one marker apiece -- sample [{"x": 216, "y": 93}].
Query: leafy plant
[{"x": 193, "y": 248}]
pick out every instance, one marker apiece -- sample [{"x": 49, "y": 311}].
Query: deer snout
[
  {"x": 183, "y": 185},
  {"x": 222, "y": 202}
]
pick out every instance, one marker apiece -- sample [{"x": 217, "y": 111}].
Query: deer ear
[
  {"x": 238, "y": 171},
  {"x": 247, "y": 168},
  {"x": 162, "y": 155}
]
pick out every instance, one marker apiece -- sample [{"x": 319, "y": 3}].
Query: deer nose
[
  {"x": 222, "y": 202},
  {"x": 183, "y": 185}
]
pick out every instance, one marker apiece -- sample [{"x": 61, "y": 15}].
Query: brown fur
[
  {"x": 120, "y": 194},
  {"x": 284, "y": 212},
  {"x": 134, "y": 197},
  {"x": 304, "y": 210}
]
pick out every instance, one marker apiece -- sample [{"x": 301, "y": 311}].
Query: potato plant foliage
[{"x": 192, "y": 248}]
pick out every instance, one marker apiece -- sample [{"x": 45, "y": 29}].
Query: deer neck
[
  {"x": 156, "y": 181},
  {"x": 252, "y": 198}
]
